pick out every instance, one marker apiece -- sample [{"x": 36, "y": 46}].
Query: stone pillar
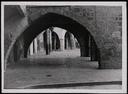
[
  {"x": 54, "y": 42},
  {"x": 61, "y": 44},
  {"x": 31, "y": 48},
  {"x": 35, "y": 45},
  {"x": 82, "y": 50},
  {"x": 84, "y": 47},
  {"x": 15, "y": 49},
  {"x": 93, "y": 50},
  {"x": 43, "y": 40},
  {"x": 72, "y": 41},
  {"x": 48, "y": 42},
  {"x": 38, "y": 44},
  {"x": 66, "y": 43},
  {"x": 87, "y": 45}
]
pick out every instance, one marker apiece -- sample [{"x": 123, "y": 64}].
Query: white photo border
[{"x": 124, "y": 46}]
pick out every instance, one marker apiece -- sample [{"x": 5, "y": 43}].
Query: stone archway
[
  {"x": 104, "y": 25},
  {"x": 69, "y": 41},
  {"x": 49, "y": 20},
  {"x": 40, "y": 42},
  {"x": 55, "y": 40}
]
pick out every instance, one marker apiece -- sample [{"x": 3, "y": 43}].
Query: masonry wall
[
  {"x": 109, "y": 26},
  {"x": 14, "y": 25}
]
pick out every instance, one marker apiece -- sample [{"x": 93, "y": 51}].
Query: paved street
[{"x": 61, "y": 68}]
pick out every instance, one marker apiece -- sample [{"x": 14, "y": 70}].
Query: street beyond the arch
[{"x": 62, "y": 69}]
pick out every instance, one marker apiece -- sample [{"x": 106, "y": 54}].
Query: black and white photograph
[{"x": 63, "y": 47}]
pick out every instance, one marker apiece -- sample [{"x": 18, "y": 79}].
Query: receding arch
[
  {"x": 56, "y": 20},
  {"x": 57, "y": 38},
  {"x": 58, "y": 41},
  {"x": 69, "y": 44},
  {"x": 43, "y": 44}
]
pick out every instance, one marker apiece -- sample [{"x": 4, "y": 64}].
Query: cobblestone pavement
[{"x": 60, "y": 68}]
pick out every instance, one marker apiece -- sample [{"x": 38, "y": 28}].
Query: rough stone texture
[
  {"x": 14, "y": 24},
  {"x": 104, "y": 23}
]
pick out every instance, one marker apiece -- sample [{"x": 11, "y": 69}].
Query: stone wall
[
  {"x": 109, "y": 22},
  {"x": 14, "y": 25}
]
